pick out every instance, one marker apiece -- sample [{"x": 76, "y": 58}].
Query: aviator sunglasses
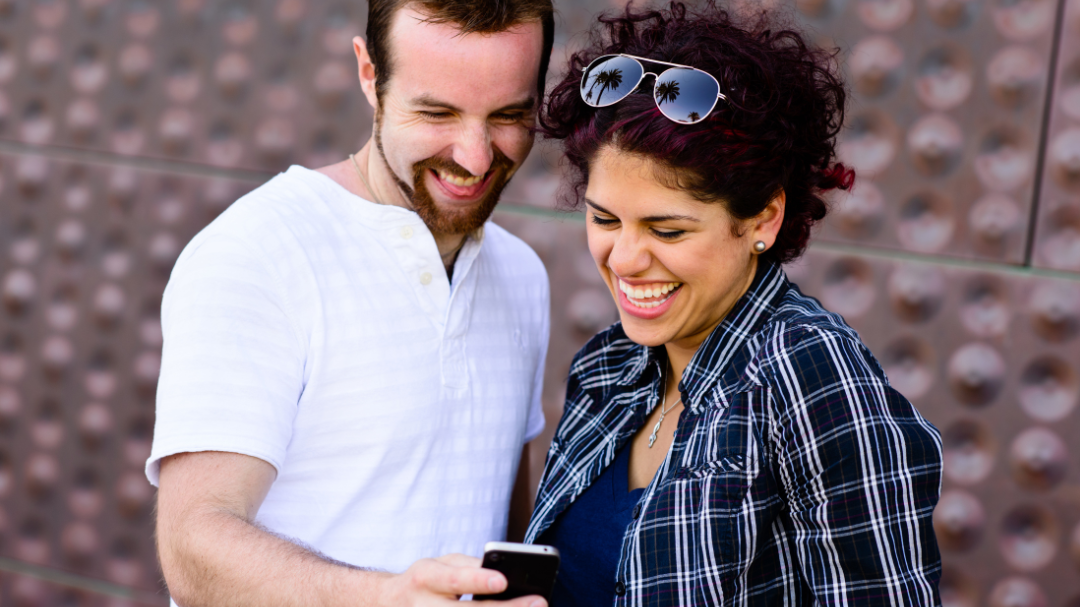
[{"x": 683, "y": 94}]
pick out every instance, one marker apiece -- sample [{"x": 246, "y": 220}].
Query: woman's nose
[{"x": 629, "y": 255}]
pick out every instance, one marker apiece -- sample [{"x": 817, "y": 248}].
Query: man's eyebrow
[
  {"x": 649, "y": 219},
  {"x": 523, "y": 105},
  {"x": 429, "y": 101}
]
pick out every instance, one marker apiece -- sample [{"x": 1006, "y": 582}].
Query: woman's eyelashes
[
  {"x": 668, "y": 234},
  {"x": 664, "y": 234}
]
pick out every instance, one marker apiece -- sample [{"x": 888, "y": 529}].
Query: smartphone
[{"x": 529, "y": 569}]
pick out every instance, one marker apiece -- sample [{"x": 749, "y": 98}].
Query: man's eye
[
  {"x": 600, "y": 221},
  {"x": 668, "y": 234},
  {"x": 435, "y": 115}
]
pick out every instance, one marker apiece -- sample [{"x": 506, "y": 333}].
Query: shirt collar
[{"x": 747, "y": 317}]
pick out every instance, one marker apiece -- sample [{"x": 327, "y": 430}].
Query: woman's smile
[
  {"x": 674, "y": 265},
  {"x": 649, "y": 300}
]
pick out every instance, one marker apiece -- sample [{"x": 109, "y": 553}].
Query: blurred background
[{"x": 127, "y": 125}]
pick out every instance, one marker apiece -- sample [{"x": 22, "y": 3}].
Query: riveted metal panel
[
  {"x": 87, "y": 253},
  {"x": 944, "y": 125},
  {"x": 1057, "y": 236},
  {"x": 241, "y": 83}
]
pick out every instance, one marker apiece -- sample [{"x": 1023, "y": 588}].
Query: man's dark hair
[{"x": 471, "y": 16}]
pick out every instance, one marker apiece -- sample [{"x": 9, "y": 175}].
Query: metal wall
[{"x": 127, "y": 125}]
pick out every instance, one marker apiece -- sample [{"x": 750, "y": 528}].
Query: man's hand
[
  {"x": 442, "y": 581},
  {"x": 212, "y": 553}
]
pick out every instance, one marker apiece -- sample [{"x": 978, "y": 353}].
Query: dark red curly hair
[{"x": 776, "y": 131}]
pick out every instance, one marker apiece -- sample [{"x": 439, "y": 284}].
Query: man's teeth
[
  {"x": 460, "y": 181},
  {"x": 641, "y": 292}
]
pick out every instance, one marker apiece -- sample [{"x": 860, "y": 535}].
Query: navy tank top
[{"x": 589, "y": 537}]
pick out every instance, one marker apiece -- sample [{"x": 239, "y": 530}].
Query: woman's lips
[{"x": 649, "y": 300}]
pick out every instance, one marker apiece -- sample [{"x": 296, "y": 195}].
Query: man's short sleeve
[{"x": 232, "y": 367}]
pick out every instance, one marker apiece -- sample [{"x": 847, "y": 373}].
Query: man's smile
[{"x": 459, "y": 188}]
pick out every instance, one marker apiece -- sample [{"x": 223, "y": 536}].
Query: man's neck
[
  {"x": 449, "y": 246},
  {"x": 368, "y": 179},
  {"x": 376, "y": 180}
]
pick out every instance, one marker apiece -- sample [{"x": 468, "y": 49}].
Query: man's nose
[{"x": 473, "y": 149}]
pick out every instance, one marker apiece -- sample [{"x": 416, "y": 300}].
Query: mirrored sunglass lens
[
  {"x": 685, "y": 95},
  {"x": 609, "y": 79}
]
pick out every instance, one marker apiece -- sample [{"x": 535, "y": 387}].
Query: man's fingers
[
  {"x": 441, "y": 577},
  {"x": 459, "y": 560},
  {"x": 525, "y": 601}
]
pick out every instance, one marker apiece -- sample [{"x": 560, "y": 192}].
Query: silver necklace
[
  {"x": 360, "y": 174},
  {"x": 663, "y": 411},
  {"x": 448, "y": 258}
]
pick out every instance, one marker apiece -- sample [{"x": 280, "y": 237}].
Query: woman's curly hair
[{"x": 776, "y": 130}]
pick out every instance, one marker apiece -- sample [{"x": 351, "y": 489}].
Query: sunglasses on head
[{"x": 683, "y": 94}]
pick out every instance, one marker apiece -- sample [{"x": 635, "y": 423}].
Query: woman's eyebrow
[{"x": 649, "y": 219}]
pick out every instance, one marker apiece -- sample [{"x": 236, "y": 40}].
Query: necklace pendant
[{"x": 656, "y": 428}]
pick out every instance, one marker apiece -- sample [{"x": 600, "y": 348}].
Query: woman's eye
[
  {"x": 601, "y": 221},
  {"x": 668, "y": 234}
]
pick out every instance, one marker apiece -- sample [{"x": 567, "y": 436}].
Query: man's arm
[{"x": 212, "y": 553}]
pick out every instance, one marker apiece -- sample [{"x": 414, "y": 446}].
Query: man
[{"x": 353, "y": 360}]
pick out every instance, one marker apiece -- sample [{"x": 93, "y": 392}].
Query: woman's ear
[
  {"x": 366, "y": 70},
  {"x": 767, "y": 224}
]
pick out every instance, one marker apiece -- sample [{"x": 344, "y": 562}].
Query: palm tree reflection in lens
[
  {"x": 667, "y": 91},
  {"x": 608, "y": 80}
]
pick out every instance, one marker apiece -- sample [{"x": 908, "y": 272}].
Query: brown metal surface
[
  {"x": 944, "y": 126},
  {"x": 88, "y": 251},
  {"x": 126, "y": 124},
  {"x": 1057, "y": 240},
  {"x": 242, "y": 83}
]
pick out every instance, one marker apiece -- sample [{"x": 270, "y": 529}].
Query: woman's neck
[{"x": 678, "y": 358}]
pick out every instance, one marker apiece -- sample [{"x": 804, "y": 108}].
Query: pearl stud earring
[{"x": 759, "y": 246}]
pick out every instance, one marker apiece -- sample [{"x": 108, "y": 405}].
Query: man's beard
[{"x": 450, "y": 221}]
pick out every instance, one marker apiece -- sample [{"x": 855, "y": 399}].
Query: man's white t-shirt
[{"x": 317, "y": 331}]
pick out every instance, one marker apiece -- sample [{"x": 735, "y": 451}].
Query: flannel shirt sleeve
[{"x": 861, "y": 473}]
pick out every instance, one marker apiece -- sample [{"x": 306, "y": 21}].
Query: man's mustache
[{"x": 499, "y": 161}]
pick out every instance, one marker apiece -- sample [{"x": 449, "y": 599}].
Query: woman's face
[{"x": 673, "y": 264}]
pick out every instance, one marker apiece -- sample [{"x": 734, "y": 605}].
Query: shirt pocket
[{"x": 734, "y": 463}]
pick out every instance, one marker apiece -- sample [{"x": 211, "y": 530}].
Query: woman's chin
[{"x": 645, "y": 336}]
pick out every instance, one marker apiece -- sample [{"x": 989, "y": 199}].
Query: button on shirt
[
  {"x": 798, "y": 475},
  {"x": 318, "y": 331}
]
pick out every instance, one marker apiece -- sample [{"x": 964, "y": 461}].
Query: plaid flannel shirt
[{"x": 798, "y": 475}]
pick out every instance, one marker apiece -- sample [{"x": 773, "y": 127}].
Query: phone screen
[{"x": 526, "y": 573}]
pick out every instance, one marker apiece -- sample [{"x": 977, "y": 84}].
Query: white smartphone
[{"x": 529, "y": 569}]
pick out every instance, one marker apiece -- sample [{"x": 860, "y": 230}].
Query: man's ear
[
  {"x": 366, "y": 70},
  {"x": 767, "y": 224}
]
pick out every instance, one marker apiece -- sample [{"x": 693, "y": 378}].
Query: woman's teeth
[
  {"x": 460, "y": 181},
  {"x": 637, "y": 294}
]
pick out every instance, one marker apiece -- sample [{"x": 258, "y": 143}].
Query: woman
[{"x": 729, "y": 441}]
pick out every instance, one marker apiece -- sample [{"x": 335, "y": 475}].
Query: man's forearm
[{"x": 222, "y": 560}]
